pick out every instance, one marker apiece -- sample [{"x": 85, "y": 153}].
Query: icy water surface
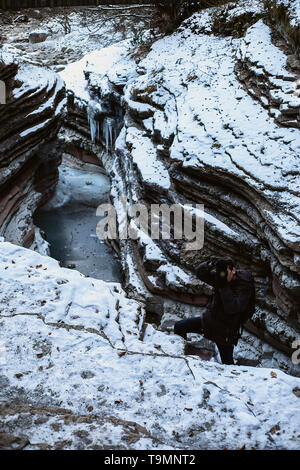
[{"x": 69, "y": 222}]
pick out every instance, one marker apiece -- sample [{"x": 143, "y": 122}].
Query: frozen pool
[{"x": 69, "y": 221}]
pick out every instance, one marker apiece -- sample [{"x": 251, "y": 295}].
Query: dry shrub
[{"x": 280, "y": 16}]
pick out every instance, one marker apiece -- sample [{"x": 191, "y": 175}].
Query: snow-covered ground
[
  {"x": 75, "y": 355},
  {"x": 70, "y": 34}
]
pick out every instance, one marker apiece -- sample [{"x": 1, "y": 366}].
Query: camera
[
  {"x": 214, "y": 272},
  {"x": 218, "y": 270}
]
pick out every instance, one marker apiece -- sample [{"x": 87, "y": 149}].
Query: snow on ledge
[{"x": 144, "y": 156}]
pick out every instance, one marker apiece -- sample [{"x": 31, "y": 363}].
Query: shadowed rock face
[
  {"x": 194, "y": 134},
  {"x": 30, "y": 120}
]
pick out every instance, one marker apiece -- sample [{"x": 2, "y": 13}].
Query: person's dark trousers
[
  {"x": 191, "y": 325},
  {"x": 194, "y": 325},
  {"x": 226, "y": 353}
]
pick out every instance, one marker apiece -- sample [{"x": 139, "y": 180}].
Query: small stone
[
  {"x": 87, "y": 374},
  {"x": 296, "y": 392},
  {"x": 37, "y": 36},
  {"x": 41, "y": 420}
]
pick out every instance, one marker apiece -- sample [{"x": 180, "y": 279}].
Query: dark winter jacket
[{"x": 229, "y": 307}]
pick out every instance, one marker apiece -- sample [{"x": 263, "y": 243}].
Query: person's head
[{"x": 225, "y": 269}]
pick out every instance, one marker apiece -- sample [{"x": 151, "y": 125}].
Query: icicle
[
  {"x": 105, "y": 133},
  {"x": 94, "y": 124},
  {"x": 108, "y": 132},
  {"x": 110, "y": 128}
]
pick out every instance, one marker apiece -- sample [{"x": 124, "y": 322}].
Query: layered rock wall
[
  {"x": 194, "y": 134},
  {"x": 31, "y": 117}
]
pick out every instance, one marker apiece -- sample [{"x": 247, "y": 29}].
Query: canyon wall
[
  {"x": 199, "y": 118},
  {"x": 30, "y": 120},
  {"x": 214, "y": 120}
]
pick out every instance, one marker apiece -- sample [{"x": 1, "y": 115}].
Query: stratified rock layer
[
  {"x": 220, "y": 148},
  {"x": 30, "y": 120}
]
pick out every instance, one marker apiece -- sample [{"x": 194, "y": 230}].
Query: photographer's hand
[{"x": 231, "y": 274}]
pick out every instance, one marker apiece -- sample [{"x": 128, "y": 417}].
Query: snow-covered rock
[
  {"x": 263, "y": 68},
  {"x": 37, "y": 36},
  {"x": 79, "y": 370},
  {"x": 226, "y": 152},
  {"x": 292, "y": 8},
  {"x": 193, "y": 133}
]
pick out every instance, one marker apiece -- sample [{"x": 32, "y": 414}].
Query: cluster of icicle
[{"x": 106, "y": 132}]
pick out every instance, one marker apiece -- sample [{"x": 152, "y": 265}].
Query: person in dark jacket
[{"x": 231, "y": 305}]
